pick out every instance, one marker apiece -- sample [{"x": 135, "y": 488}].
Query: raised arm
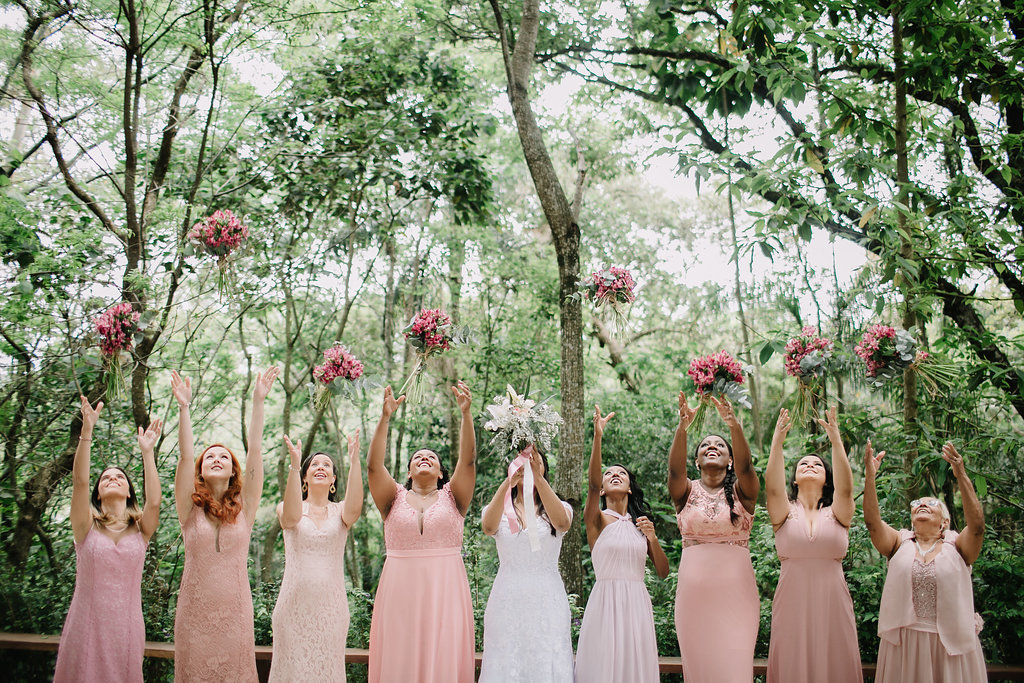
[
  {"x": 382, "y": 485},
  {"x": 81, "y": 510},
  {"x": 969, "y": 540},
  {"x": 558, "y": 516},
  {"x": 464, "y": 476},
  {"x": 353, "y": 503},
  {"x": 747, "y": 483},
  {"x": 185, "y": 474},
  {"x": 843, "y": 506},
  {"x": 252, "y": 484},
  {"x": 151, "y": 479},
  {"x": 678, "y": 481},
  {"x": 885, "y": 539},
  {"x": 592, "y": 516},
  {"x": 289, "y": 510},
  {"x": 776, "y": 499},
  {"x": 654, "y": 549},
  {"x": 491, "y": 519}
]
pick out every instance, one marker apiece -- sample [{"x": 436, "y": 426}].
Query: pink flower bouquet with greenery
[
  {"x": 337, "y": 375},
  {"x": 808, "y": 358},
  {"x": 116, "y": 328},
  {"x": 612, "y": 289},
  {"x": 887, "y": 352},
  {"x": 717, "y": 374},
  {"x": 431, "y": 332},
  {"x": 220, "y": 234}
]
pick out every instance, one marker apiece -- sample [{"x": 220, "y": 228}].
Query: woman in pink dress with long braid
[
  {"x": 814, "y": 634},
  {"x": 216, "y": 503},
  {"x": 422, "y": 625},
  {"x": 617, "y": 639},
  {"x": 717, "y": 607},
  {"x": 104, "y": 636}
]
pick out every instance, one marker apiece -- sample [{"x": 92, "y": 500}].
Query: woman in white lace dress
[
  {"x": 526, "y": 624},
  {"x": 311, "y": 615}
]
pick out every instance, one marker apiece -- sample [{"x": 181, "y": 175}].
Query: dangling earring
[
  {"x": 304, "y": 487},
  {"x": 334, "y": 489},
  {"x": 730, "y": 467}
]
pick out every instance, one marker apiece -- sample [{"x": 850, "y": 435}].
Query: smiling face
[
  {"x": 615, "y": 480},
  {"x": 810, "y": 469},
  {"x": 319, "y": 471},
  {"x": 425, "y": 464},
  {"x": 714, "y": 453},
  {"x": 927, "y": 514},
  {"x": 216, "y": 463}
]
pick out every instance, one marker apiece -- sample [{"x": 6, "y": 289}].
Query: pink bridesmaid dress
[
  {"x": 311, "y": 615},
  {"x": 104, "y": 636},
  {"x": 717, "y": 607},
  {"x": 422, "y": 625},
  {"x": 213, "y": 625},
  {"x": 814, "y": 635},
  {"x": 617, "y": 641}
]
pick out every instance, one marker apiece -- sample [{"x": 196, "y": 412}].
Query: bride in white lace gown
[{"x": 526, "y": 624}]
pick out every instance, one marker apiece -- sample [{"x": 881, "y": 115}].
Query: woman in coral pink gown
[
  {"x": 422, "y": 625},
  {"x": 104, "y": 636},
  {"x": 617, "y": 640},
  {"x": 311, "y": 615},
  {"x": 926, "y": 619},
  {"x": 814, "y": 634},
  {"x": 717, "y": 607},
  {"x": 216, "y": 503}
]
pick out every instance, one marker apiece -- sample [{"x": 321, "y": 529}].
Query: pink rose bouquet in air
[
  {"x": 220, "y": 234},
  {"x": 717, "y": 374},
  {"x": 337, "y": 374},
  {"x": 431, "y": 332},
  {"x": 116, "y": 328},
  {"x": 887, "y": 352},
  {"x": 807, "y": 358},
  {"x": 614, "y": 289}
]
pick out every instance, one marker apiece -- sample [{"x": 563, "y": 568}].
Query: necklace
[{"x": 924, "y": 553}]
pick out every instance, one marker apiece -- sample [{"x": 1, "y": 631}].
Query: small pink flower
[
  {"x": 705, "y": 370},
  {"x": 116, "y": 327}
]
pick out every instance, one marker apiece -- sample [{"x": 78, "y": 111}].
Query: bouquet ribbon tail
[{"x": 529, "y": 511}]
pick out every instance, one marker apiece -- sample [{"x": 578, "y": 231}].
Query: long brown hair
[
  {"x": 131, "y": 505},
  {"x": 226, "y": 509}
]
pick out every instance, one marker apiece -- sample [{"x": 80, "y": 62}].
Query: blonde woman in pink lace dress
[
  {"x": 311, "y": 615},
  {"x": 216, "y": 503},
  {"x": 814, "y": 634},
  {"x": 104, "y": 636},
  {"x": 926, "y": 619},
  {"x": 717, "y": 607},
  {"x": 422, "y": 625},
  {"x": 617, "y": 640}
]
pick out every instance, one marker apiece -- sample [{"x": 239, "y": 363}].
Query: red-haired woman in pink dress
[
  {"x": 217, "y": 503},
  {"x": 422, "y": 625},
  {"x": 104, "y": 635},
  {"x": 814, "y": 634},
  {"x": 717, "y": 607},
  {"x": 926, "y": 619}
]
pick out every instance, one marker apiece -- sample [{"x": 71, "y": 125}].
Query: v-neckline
[
  {"x": 806, "y": 522},
  {"x": 327, "y": 516},
  {"x": 421, "y": 514},
  {"x": 120, "y": 537}
]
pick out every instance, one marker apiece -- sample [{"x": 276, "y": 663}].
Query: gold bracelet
[{"x": 293, "y": 468}]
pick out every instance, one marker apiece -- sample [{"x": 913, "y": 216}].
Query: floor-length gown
[
  {"x": 311, "y": 615},
  {"x": 717, "y": 608},
  {"x": 422, "y": 625},
  {"x": 104, "y": 636},
  {"x": 617, "y": 641},
  {"x": 814, "y": 634},
  {"x": 213, "y": 626},
  {"x": 527, "y": 611}
]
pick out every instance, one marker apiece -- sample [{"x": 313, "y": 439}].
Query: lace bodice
[
  {"x": 313, "y": 549},
  {"x": 514, "y": 550},
  {"x": 924, "y": 589},
  {"x": 705, "y": 517},
  {"x": 442, "y": 523}
]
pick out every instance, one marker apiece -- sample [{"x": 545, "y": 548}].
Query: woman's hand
[
  {"x": 536, "y": 463},
  {"x": 646, "y": 527},
  {"x": 90, "y": 415},
  {"x": 601, "y": 422},
  {"x": 782, "y": 425},
  {"x": 686, "y": 413},
  {"x": 726, "y": 412},
  {"x": 149, "y": 436},
  {"x": 391, "y": 403},
  {"x": 264, "y": 382},
  {"x": 182, "y": 389},
  {"x": 463, "y": 397},
  {"x": 831, "y": 424},
  {"x": 294, "y": 452},
  {"x": 955, "y": 460},
  {"x": 353, "y": 446},
  {"x": 871, "y": 461}
]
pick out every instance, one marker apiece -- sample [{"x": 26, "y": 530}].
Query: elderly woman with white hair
[{"x": 926, "y": 618}]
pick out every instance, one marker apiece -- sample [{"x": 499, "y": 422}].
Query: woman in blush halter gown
[
  {"x": 311, "y": 615},
  {"x": 814, "y": 635},
  {"x": 422, "y": 626},
  {"x": 104, "y": 636},
  {"x": 717, "y": 608},
  {"x": 617, "y": 639},
  {"x": 216, "y": 503}
]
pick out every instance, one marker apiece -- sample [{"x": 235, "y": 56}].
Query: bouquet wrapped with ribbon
[
  {"x": 717, "y": 374},
  {"x": 519, "y": 425},
  {"x": 612, "y": 288},
  {"x": 116, "y": 327},
  {"x": 220, "y": 234},
  {"x": 431, "y": 332},
  {"x": 887, "y": 352},
  {"x": 807, "y": 358},
  {"x": 336, "y": 375}
]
